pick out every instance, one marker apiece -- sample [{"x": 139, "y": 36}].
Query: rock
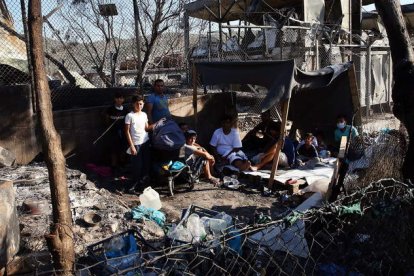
[
  {"x": 9, "y": 223},
  {"x": 114, "y": 226},
  {"x": 83, "y": 178},
  {"x": 7, "y": 158}
]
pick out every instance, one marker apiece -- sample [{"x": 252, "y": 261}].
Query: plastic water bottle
[
  {"x": 196, "y": 227},
  {"x": 150, "y": 199}
]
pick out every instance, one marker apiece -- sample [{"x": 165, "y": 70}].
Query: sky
[{"x": 14, "y": 8}]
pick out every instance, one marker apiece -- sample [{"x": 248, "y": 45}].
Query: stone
[
  {"x": 9, "y": 223},
  {"x": 7, "y": 158}
]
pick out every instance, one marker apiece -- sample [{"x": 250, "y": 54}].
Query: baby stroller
[{"x": 168, "y": 156}]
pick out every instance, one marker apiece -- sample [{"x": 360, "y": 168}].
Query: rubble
[
  {"x": 9, "y": 228},
  {"x": 7, "y": 158},
  {"x": 35, "y": 212}
]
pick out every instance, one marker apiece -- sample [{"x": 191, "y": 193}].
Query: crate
[{"x": 110, "y": 265}]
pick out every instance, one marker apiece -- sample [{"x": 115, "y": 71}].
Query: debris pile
[{"x": 97, "y": 213}]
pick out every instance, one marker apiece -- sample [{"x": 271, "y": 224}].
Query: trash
[
  {"x": 150, "y": 199},
  {"x": 196, "y": 228},
  {"x": 231, "y": 183},
  {"x": 180, "y": 233},
  {"x": 141, "y": 212},
  {"x": 35, "y": 207},
  {"x": 119, "y": 252},
  {"x": 235, "y": 242},
  {"x": 153, "y": 229},
  {"x": 228, "y": 219},
  {"x": 92, "y": 218},
  {"x": 215, "y": 225}
]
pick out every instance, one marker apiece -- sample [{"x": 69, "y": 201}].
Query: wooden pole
[
  {"x": 281, "y": 141},
  {"x": 195, "y": 107},
  {"x": 60, "y": 238},
  {"x": 355, "y": 95}
]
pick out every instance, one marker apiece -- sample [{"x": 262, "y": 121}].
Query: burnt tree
[
  {"x": 403, "y": 72},
  {"x": 60, "y": 239}
]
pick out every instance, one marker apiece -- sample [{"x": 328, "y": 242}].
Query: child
[
  {"x": 136, "y": 127},
  {"x": 115, "y": 116},
  {"x": 198, "y": 158}
]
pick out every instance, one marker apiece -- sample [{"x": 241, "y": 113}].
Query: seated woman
[
  {"x": 307, "y": 153},
  {"x": 226, "y": 144},
  {"x": 198, "y": 158},
  {"x": 254, "y": 144},
  {"x": 286, "y": 157}
]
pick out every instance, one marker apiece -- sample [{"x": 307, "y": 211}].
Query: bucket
[{"x": 150, "y": 199}]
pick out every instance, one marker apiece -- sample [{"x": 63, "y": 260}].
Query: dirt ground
[{"x": 238, "y": 203}]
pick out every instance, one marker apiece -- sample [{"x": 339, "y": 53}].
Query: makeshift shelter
[{"x": 310, "y": 99}]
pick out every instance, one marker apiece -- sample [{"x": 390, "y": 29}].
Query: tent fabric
[
  {"x": 317, "y": 99},
  {"x": 279, "y": 77},
  {"x": 276, "y": 76}
]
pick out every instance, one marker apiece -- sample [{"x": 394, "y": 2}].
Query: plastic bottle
[
  {"x": 225, "y": 217},
  {"x": 217, "y": 226},
  {"x": 150, "y": 199},
  {"x": 196, "y": 228}
]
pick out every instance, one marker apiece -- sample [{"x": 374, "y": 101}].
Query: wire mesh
[{"x": 366, "y": 232}]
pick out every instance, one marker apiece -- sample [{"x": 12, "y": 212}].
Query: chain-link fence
[
  {"x": 93, "y": 44},
  {"x": 312, "y": 46},
  {"x": 367, "y": 232}
]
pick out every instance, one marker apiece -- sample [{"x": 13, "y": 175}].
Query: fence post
[
  {"x": 138, "y": 82},
  {"x": 29, "y": 63},
  {"x": 368, "y": 81}
]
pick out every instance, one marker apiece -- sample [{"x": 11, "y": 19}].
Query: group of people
[
  {"x": 130, "y": 128},
  {"x": 254, "y": 152}
]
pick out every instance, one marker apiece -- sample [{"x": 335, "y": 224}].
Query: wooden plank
[
  {"x": 342, "y": 147},
  {"x": 355, "y": 95},
  {"x": 285, "y": 110}
]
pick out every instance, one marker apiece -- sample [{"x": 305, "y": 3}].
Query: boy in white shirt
[
  {"x": 226, "y": 143},
  {"x": 136, "y": 127}
]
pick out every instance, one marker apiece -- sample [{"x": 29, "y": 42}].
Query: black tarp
[
  {"x": 316, "y": 97},
  {"x": 276, "y": 76}
]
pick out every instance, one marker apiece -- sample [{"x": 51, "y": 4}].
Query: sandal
[{"x": 214, "y": 181}]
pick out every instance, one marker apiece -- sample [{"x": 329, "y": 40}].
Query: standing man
[{"x": 157, "y": 103}]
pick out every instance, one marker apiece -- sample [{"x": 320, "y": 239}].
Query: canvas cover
[{"x": 316, "y": 98}]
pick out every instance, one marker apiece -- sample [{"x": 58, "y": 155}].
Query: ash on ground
[{"x": 35, "y": 211}]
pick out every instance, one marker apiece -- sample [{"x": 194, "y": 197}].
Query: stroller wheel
[{"x": 171, "y": 185}]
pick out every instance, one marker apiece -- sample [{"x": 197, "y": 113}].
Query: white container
[{"x": 150, "y": 199}]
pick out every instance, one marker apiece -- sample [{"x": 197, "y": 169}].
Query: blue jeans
[{"x": 141, "y": 161}]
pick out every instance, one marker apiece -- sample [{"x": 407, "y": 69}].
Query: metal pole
[
  {"x": 220, "y": 31},
  {"x": 389, "y": 79},
  {"x": 137, "y": 44},
  {"x": 187, "y": 45},
  {"x": 209, "y": 40},
  {"x": 368, "y": 82},
  {"x": 29, "y": 63},
  {"x": 317, "y": 52}
]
